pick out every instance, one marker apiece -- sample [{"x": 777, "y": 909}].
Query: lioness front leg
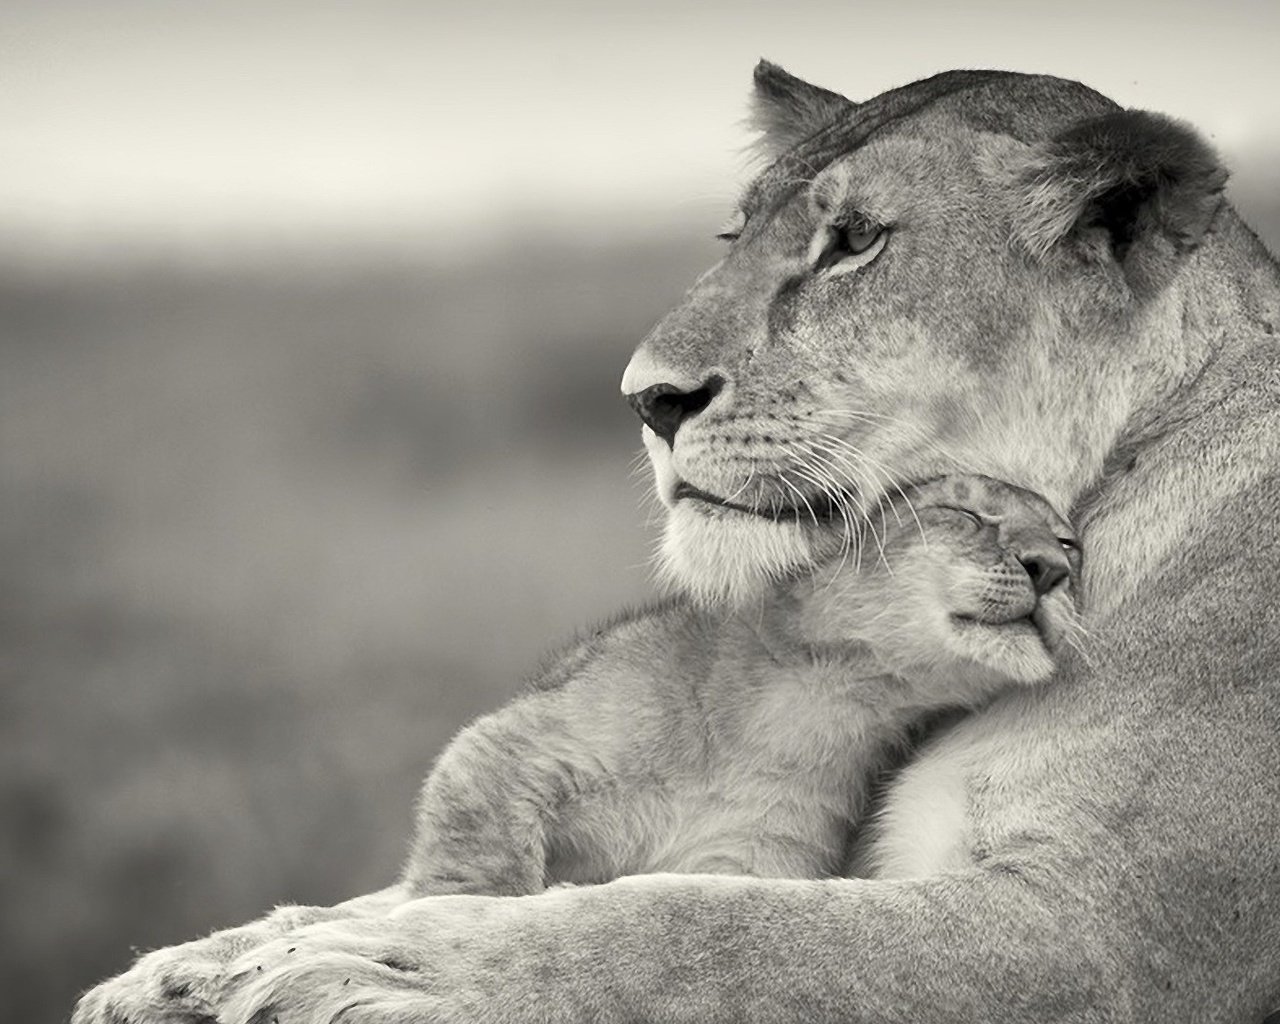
[
  {"x": 181, "y": 984},
  {"x": 708, "y": 949}
]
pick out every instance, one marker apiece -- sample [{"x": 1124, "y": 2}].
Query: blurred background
[{"x": 311, "y": 324}]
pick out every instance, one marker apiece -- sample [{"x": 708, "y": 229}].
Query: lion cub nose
[
  {"x": 1046, "y": 563},
  {"x": 663, "y": 407}
]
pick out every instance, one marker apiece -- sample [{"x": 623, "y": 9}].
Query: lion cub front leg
[
  {"x": 480, "y": 830},
  {"x": 183, "y": 984},
  {"x": 485, "y": 811}
]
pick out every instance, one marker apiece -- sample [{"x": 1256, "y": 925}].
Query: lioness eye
[
  {"x": 848, "y": 246},
  {"x": 1068, "y": 544},
  {"x": 861, "y": 236},
  {"x": 732, "y": 228}
]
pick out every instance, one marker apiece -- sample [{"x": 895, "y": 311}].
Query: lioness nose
[
  {"x": 663, "y": 407},
  {"x": 1046, "y": 564}
]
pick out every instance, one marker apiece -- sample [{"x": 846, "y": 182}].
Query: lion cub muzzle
[{"x": 1044, "y": 558}]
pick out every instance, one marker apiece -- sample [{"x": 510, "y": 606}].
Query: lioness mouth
[{"x": 819, "y": 509}]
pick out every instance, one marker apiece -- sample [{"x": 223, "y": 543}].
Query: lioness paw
[
  {"x": 177, "y": 985},
  {"x": 181, "y": 984},
  {"x": 330, "y": 973}
]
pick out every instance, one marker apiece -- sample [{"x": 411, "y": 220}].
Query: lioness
[
  {"x": 985, "y": 273},
  {"x": 745, "y": 741}
]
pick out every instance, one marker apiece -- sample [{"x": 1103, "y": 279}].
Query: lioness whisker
[
  {"x": 844, "y": 475},
  {"x": 835, "y": 470},
  {"x": 827, "y": 486},
  {"x": 889, "y": 477},
  {"x": 751, "y": 475},
  {"x": 836, "y": 447},
  {"x": 782, "y": 478},
  {"x": 913, "y": 430},
  {"x": 851, "y": 536}
]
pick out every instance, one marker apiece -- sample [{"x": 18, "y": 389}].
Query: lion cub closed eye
[{"x": 744, "y": 742}]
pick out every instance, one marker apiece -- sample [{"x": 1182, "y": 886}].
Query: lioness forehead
[{"x": 1025, "y": 107}]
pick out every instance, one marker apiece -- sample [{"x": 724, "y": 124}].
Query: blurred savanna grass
[{"x": 270, "y": 534}]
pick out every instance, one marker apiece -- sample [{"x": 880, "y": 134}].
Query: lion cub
[{"x": 745, "y": 742}]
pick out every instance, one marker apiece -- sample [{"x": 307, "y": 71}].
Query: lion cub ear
[
  {"x": 786, "y": 110},
  {"x": 1136, "y": 187}
]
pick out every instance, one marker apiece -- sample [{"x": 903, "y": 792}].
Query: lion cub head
[{"x": 966, "y": 580}]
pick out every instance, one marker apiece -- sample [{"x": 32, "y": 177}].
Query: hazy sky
[{"x": 194, "y": 119}]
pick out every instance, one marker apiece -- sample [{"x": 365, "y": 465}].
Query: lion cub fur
[{"x": 745, "y": 741}]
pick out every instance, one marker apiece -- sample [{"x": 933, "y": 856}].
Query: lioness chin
[{"x": 982, "y": 273}]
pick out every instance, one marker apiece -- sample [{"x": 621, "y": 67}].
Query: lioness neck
[{"x": 1212, "y": 432}]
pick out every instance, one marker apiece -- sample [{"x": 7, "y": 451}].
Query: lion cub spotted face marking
[{"x": 744, "y": 741}]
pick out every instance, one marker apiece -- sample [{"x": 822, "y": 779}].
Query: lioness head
[{"x": 978, "y": 273}]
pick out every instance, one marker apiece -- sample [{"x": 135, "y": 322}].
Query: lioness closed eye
[{"x": 743, "y": 741}]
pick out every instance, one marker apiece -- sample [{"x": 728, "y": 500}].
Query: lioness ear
[
  {"x": 786, "y": 110},
  {"x": 1142, "y": 184}
]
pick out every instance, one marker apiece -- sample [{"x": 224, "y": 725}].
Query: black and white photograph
[{"x": 592, "y": 513}]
